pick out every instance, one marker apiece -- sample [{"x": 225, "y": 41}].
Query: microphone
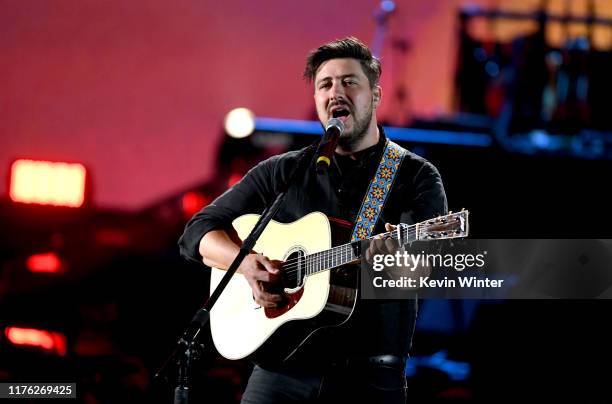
[{"x": 325, "y": 151}]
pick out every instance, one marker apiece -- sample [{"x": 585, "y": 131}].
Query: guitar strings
[
  {"x": 338, "y": 251},
  {"x": 303, "y": 263},
  {"x": 313, "y": 261},
  {"x": 313, "y": 264},
  {"x": 299, "y": 264},
  {"x": 409, "y": 231}
]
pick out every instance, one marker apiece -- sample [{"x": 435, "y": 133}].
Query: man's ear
[{"x": 376, "y": 95}]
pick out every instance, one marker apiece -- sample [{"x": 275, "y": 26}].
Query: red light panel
[
  {"x": 47, "y": 340},
  {"x": 45, "y": 262},
  {"x": 192, "y": 202},
  {"x": 48, "y": 183}
]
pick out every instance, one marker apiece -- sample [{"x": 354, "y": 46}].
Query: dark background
[{"x": 126, "y": 295}]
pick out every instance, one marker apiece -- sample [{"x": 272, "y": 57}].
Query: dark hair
[{"x": 349, "y": 47}]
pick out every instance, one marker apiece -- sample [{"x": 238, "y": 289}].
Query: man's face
[{"x": 342, "y": 90}]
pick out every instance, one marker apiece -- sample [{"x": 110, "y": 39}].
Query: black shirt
[{"x": 417, "y": 195}]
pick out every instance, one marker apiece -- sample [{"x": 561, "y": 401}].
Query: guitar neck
[
  {"x": 452, "y": 225},
  {"x": 351, "y": 252}
]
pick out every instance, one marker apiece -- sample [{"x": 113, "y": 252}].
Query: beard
[{"x": 349, "y": 141}]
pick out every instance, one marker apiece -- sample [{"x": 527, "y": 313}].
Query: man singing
[{"x": 364, "y": 358}]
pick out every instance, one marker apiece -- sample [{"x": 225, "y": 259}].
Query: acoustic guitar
[{"x": 320, "y": 290}]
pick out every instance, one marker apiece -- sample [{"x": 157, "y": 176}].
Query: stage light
[
  {"x": 239, "y": 123},
  {"x": 192, "y": 202},
  {"x": 387, "y": 5},
  {"x": 47, "y": 340},
  {"x": 234, "y": 179},
  {"x": 47, "y": 183},
  {"x": 45, "y": 262}
]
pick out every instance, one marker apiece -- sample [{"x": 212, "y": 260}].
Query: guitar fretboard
[{"x": 350, "y": 252}]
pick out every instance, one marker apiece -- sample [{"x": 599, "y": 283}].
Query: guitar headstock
[{"x": 453, "y": 225}]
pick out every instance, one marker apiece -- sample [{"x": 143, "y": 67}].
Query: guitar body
[
  {"x": 241, "y": 328},
  {"x": 320, "y": 284}
]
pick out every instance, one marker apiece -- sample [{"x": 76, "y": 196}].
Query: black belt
[
  {"x": 388, "y": 360},
  {"x": 360, "y": 362},
  {"x": 392, "y": 361}
]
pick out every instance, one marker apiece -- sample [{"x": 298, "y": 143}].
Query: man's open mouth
[{"x": 341, "y": 112}]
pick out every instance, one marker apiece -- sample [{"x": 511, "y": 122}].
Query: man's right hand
[{"x": 263, "y": 274}]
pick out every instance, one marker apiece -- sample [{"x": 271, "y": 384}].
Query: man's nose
[{"x": 337, "y": 90}]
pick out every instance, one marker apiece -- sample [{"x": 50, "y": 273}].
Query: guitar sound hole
[{"x": 294, "y": 270}]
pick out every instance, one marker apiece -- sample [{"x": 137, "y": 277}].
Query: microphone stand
[{"x": 187, "y": 349}]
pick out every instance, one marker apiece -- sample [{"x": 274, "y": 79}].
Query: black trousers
[{"x": 370, "y": 383}]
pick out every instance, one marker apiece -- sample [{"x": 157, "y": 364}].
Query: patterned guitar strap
[{"x": 379, "y": 189}]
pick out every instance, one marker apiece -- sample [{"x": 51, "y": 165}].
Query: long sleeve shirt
[{"x": 417, "y": 194}]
